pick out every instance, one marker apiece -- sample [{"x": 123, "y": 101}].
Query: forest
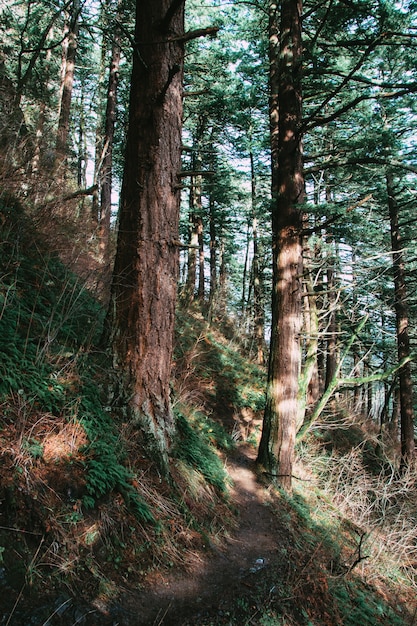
[{"x": 207, "y": 312}]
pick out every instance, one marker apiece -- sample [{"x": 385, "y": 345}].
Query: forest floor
[{"x": 214, "y": 582}]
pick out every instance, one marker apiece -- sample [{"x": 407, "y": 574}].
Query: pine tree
[
  {"x": 143, "y": 295},
  {"x": 276, "y": 450}
]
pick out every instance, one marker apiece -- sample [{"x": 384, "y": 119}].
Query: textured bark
[
  {"x": 403, "y": 339},
  {"x": 276, "y": 451},
  {"x": 144, "y": 285}
]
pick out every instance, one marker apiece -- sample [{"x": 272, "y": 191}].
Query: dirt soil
[{"x": 207, "y": 591}]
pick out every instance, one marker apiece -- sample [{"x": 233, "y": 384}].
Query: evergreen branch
[
  {"x": 334, "y": 218},
  {"x": 347, "y": 78},
  {"x": 307, "y": 126},
  {"x": 186, "y": 173},
  {"x": 361, "y": 161},
  {"x": 311, "y": 12},
  {"x": 366, "y": 81},
  {"x": 40, "y": 48},
  {"x": 322, "y": 24}
]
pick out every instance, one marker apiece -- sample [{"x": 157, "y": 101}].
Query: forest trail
[{"x": 205, "y": 591}]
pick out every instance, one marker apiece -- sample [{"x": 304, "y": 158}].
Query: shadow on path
[{"x": 214, "y": 583}]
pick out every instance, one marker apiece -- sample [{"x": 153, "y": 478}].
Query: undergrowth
[
  {"x": 73, "y": 472},
  {"x": 198, "y": 439},
  {"x": 83, "y": 501}
]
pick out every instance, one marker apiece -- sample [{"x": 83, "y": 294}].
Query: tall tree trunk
[
  {"x": 82, "y": 150},
  {"x": 331, "y": 330},
  {"x": 99, "y": 142},
  {"x": 245, "y": 303},
  {"x": 309, "y": 380},
  {"x": 258, "y": 309},
  {"x": 106, "y": 169},
  {"x": 143, "y": 294},
  {"x": 258, "y": 305},
  {"x": 192, "y": 249},
  {"x": 276, "y": 450},
  {"x": 213, "y": 259},
  {"x": 403, "y": 339},
  {"x": 222, "y": 293},
  {"x": 67, "y": 88},
  {"x": 201, "y": 259}
]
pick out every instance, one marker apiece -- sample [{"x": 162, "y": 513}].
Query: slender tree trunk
[
  {"x": 143, "y": 294},
  {"x": 309, "y": 380},
  {"x": 258, "y": 310},
  {"x": 403, "y": 339},
  {"x": 276, "y": 451},
  {"x": 106, "y": 170},
  {"x": 201, "y": 260},
  {"x": 369, "y": 394},
  {"x": 213, "y": 255},
  {"x": 67, "y": 88},
  {"x": 39, "y": 140},
  {"x": 331, "y": 351},
  {"x": 82, "y": 148},
  {"x": 222, "y": 295},
  {"x": 196, "y": 250},
  {"x": 98, "y": 147},
  {"x": 245, "y": 304},
  {"x": 192, "y": 249}
]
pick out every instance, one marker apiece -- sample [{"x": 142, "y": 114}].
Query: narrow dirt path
[{"x": 214, "y": 584}]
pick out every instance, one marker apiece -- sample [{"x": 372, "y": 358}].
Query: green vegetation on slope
[{"x": 83, "y": 506}]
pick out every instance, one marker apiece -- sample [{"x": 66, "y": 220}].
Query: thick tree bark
[
  {"x": 143, "y": 295},
  {"x": 403, "y": 339},
  {"x": 276, "y": 451}
]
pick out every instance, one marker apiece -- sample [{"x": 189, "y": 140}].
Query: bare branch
[{"x": 210, "y": 31}]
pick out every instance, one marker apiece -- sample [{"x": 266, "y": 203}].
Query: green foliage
[
  {"x": 104, "y": 453},
  {"x": 194, "y": 445},
  {"x": 48, "y": 320},
  {"x": 359, "y": 604},
  {"x": 33, "y": 447},
  {"x": 45, "y": 312},
  {"x": 244, "y": 381}
]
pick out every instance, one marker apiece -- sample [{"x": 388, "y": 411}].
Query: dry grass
[{"x": 380, "y": 505}]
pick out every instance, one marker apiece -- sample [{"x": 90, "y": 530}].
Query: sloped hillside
[{"x": 91, "y": 534}]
